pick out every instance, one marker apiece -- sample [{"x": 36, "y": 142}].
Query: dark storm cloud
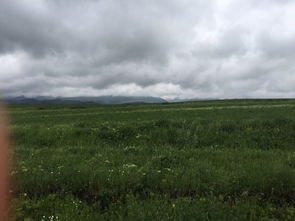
[
  {"x": 168, "y": 48},
  {"x": 30, "y": 28}
]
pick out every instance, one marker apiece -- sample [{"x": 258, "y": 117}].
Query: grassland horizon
[{"x": 204, "y": 160}]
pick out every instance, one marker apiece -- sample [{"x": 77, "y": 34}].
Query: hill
[{"x": 83, "y": 100}]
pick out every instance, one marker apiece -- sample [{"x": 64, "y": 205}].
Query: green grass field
[{"x": 209, "y": 160}]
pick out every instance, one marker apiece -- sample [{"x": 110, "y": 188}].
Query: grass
[{"x": 209, "y": 160}]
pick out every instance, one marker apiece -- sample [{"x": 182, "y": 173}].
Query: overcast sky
[{"x": 166, "y": 48}]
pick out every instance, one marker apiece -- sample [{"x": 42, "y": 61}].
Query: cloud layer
[{"x": 167, "y": 48}]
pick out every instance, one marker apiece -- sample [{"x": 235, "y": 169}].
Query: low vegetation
[{"x": 209, "y": 160}]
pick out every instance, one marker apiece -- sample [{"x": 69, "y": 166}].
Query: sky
[{"x": 164, "y": 48}]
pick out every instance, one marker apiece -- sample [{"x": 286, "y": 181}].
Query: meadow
[{"x": 205, "y": 160}]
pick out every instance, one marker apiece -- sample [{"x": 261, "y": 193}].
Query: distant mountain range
[
  {"x": 82, "y": 100},
  {"x": 95, "y": 100},
  {"x": 176, "y": 100}
]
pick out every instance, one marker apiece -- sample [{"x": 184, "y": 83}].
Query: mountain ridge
[{"x": 83, "y": 100}]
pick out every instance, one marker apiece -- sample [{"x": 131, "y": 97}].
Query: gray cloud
[{"x": 169, "y": 48}]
